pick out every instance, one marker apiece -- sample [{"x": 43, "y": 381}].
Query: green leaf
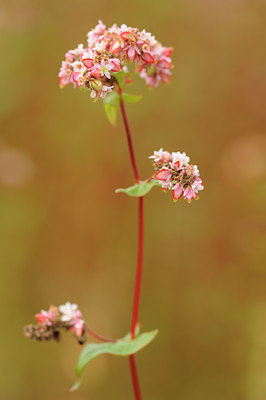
[
  {"x": 121, "y": 78},
  {"x": 110, "y": 112},
  {"x": 112, "y": 98},
  {"x": 139, "y": 189},
  {"x": 122, "y": 347},
  {"x": 131, "y": 98}
]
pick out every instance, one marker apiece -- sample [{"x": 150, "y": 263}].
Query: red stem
[
  {"x": 99, "y": 337},
  {"x": 129, "y": 140},
  {"x": 139, "y": 270},
  {"x": 134, "y": 375},
  {"x": 132, "y": 361}
]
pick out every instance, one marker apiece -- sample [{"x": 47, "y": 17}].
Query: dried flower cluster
[
  {"x": 108, "y": 51},
  {"x": 66, "y": 316},
  {"x": 174, "y": 172}
]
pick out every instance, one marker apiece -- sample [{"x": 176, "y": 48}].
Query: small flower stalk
[
  {"x": 111, "y": 50},
  {"x": 50, "y": 323},
  {"x": 174, "y": 172}
]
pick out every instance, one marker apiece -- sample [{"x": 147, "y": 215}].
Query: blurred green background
[{"x": 65, "y": 235}]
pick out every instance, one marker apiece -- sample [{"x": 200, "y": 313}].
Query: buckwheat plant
[{"x": 103, "y": 68}]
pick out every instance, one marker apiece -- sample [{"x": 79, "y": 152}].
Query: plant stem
[
  {"x": 134, "y": 375},
  {"x": 129, "y": 139},
  {"x": 139, "y": 270},
  {"x": 99, "y": 337},
  {"x": 132, "y": 361}
]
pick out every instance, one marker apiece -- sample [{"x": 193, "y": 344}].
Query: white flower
[
  {"x": 78, "y": 51},
  {"x": 99, "y": 46},
  {"x": 105, "y": 68},
  {"x": 78, "y": 66},
  {"x": 105, "y": 90},
  {"x": 182, "y": 158},
  {"x": 124, "y": 28},
  {"x": 195, "y": 170},
  {"x": 161, "y": 156},
  {"x": 69, "y": 311}
]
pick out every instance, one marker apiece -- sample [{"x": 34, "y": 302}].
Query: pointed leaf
[
  {"x": 110, "y": 112},
  {"x": 131, "y": 98},
  {"x": 139, "y": 189},
  {"x": 112, "y": 98},
  {"x": 121, "y": 78},
  {"x": 122, "y": 347}
]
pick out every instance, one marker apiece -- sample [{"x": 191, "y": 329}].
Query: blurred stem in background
[{"x": 132, "y": 360}]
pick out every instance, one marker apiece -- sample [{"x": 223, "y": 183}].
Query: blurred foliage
[{"x": 65, "y": 235}]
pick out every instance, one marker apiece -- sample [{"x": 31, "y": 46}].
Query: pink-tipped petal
[
  {"x": 126, "y": 35},
  {"x": 116, "y": 65},
  {"x": 165, "y": 64},
  {"x": 167, "y": 51},
  {"x": 147, "y": 57},
  {"x": 75, "y": 76},
  {"x": 115, "y": 46},
  {"x": 177, "y": 192},
  {"x": 131, "y": 53},
  {"x": 189, "y": 193},
  {"x": 64, "y": 81},
  {"x": 88, "y": 62},
  {"x": 163, "y": 174},
  {"x": 78, "y": 327},
  {"x": 41, "y": 318},
  {"x": 96, "y": 73}
]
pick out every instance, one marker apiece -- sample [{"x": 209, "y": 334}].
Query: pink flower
[
  {"x": 179, "y": 159},
  {"x": 164, "y": 176},
  {"x": 46, "y": 317},
  {"x": 190, "y": 194},
  {"x": 104, "y": 68},
  {"x": 174, "y": 172},
  {"x": 87, "y": 59},
  {"x": 116, "y": 67},
  {"x": 100, "y": 28},
  {"x": 96, "y": 72},
  {"x": 108, "y": 51},
  {"x": 70, "y": 313},
  {"x": 147, "y": 58},
  {"x": 94, "y": 34},
  {"x": 161, "y": 156},
  {"x": 78, "y": 326},
  {"x": 65, "y": 74},
  {"x": 64, "y": 80},
  {"x": 77, "y": 52},
  {"x": 105, "y": 90},
  {"x": 177, "y": 191},
  {"x": 132, "y": 51},
  {"x": 197, "y": 184},
  {"x": 115, "y": 46}
]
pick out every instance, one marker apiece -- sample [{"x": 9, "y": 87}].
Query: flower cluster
[
  {"x": 174, "y": 172},
  {"x": 108, "y": 51},
  {"x": 66, "y": 316}
]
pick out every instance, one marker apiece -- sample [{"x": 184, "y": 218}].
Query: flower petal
[
  {"x": 147, "y": 57},
  {"x": 177, "y": 192},
  {"x": 131, "y": 53},
  {"x": 163, "y": 174},
  {"x": 115, "y": 46}
]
